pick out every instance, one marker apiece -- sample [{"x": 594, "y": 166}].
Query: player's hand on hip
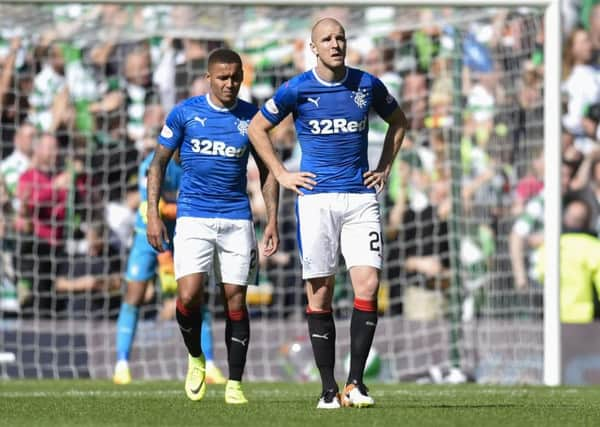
[
  {"x": 270, "y": 239},
  {"x": 375, "y": 179},
  {"x": 156, "y": 232},
  {"x": 296, "y": 180}
]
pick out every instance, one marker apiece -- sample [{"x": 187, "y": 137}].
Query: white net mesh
[{"x": 469, "y": 81}]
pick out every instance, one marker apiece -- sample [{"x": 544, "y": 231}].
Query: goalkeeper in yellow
[{"x": 144, "y": 264}]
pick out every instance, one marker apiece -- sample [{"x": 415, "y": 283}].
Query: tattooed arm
[{"x": 156, "y": 231}]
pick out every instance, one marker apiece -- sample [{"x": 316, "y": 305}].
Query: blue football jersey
[
  {"x": 332, "y": 123},
  {"x": 169, "y": 188},
  {"x": 214, "y": 148}
]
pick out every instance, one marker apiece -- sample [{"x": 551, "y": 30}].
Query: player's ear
[{"x": 313, "y": 48}]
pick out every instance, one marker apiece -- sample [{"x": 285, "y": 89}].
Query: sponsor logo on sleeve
[
  {"x": 271, "y": 106},
  {"x": 389, "y": 99},
  {"x": 166, "y": 132}
]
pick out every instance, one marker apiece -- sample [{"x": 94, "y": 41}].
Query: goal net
[{"x": 458, "y": 292}]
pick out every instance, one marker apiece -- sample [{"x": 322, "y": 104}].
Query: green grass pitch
[{"x": 163, "y": 403}]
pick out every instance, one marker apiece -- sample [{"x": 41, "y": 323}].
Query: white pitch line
[
  {"x": 278, "y": 392},
  {"x": 130, "y": 393},
  {"x": 96, "y": 393}
]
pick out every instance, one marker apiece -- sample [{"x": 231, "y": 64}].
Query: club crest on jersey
[
  {"x": 166, "y": 132},
  {"x": 242, "y": 126},
  {"x": 360, "y": 98},
  {"x": 271, "y": 106}
]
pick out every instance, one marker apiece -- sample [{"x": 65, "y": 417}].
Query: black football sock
[
  {"x": 190, "y": 324},
  {"x": 362, "y": 331},
  {"x": 237, "y": 337},
  {"x": 321, "y": 329}
]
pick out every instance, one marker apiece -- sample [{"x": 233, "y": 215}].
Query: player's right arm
[
  {"x": 258, "y": 131},
  {"x": 156, "y": 231},
  {"x": 169, "y": 140}
]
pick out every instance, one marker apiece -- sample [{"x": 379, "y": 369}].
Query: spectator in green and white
[
  {"x": 379, "y": 61},
  {"x": 409, "y": 190},
  {"x": 482, "y": 100},
  {"x": 477, "y": 166},
  {"x": 441, "y": 95},
  {"x": 121, "y": 113},
  {"x": 414, "y": 98},
  {"x": 527, "y": 235},
  {"x": 14, "y": 165},
  {"x": 139, "y": 91},
  {"x": 581, "y": 86},
  {"x": 16, "y": 80},
  {"x": 47, "y": 84},
  {"x": 179, "y": 63},
  {"x": 426, "y": 39},
  {"x": 418, "y": 232},
  {"x": 126, "y": 97},
  {"x": 82, "y": 87}
]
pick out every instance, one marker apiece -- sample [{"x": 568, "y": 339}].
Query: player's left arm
[
  {"x": 398, "y": 125},
  {"x": 270, "y": 192}
]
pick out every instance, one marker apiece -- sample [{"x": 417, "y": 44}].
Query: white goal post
[{"x": 552, "y": 367}]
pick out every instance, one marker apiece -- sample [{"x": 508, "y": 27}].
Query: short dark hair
[{"x": 224, "y": 56}]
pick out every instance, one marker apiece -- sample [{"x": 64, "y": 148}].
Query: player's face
[
  {"x": 225, "y": 81},
  {"x": 329, "y": 44}
]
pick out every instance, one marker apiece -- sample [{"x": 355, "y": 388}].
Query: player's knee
[
  {"x": 190, "y": 299},
  {"x": 367, "y": 289},
  {"x": 236, "y": 303},
  {"x": 320, "y": 301},
  {"x": 235, "y": 297},
  {"x": 320, "y": 293}
]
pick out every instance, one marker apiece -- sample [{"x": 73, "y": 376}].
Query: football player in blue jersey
[
  {"x": 330, "y": 105},
  {"x": 214, "y": 228},
  {"x": 142, "y": 268}
]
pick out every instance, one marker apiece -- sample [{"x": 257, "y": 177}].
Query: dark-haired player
[{"x": 214, "y": 228}]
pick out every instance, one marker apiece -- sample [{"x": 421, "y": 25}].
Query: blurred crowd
[{"x": 82, "y": 100}]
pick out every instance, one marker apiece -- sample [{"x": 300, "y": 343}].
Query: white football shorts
[
  {"x": 328, "y": 222},
  {"x": 226, "y": 245}
]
